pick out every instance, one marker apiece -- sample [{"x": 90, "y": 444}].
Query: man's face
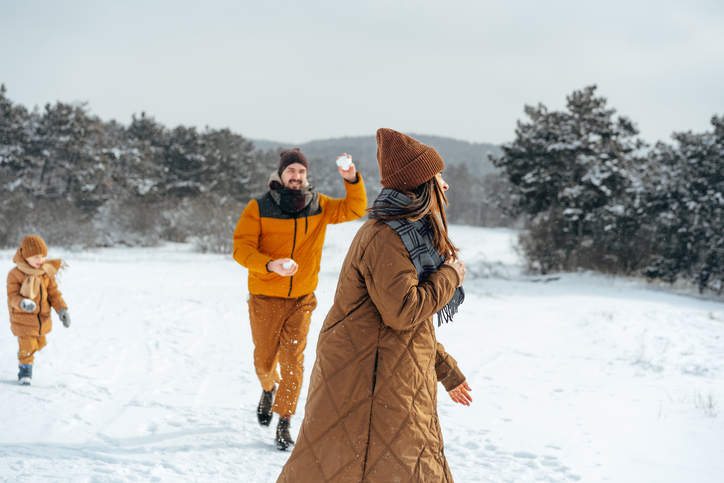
[{"x": 294, "y": 176}]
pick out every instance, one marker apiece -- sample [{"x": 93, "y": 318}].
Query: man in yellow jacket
[{"x": 279, "y": 240}]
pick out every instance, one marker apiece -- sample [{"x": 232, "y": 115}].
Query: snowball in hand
[
  {"x": 287, "y": 265},
  {"x": 344, "y": 162}
]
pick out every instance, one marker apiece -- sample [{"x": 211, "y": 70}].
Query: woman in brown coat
[{"x": 371, "y": 411}]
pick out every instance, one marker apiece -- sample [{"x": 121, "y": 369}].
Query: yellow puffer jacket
[
  {"x": 265, "y": 233},
  {"x": 38, "y": 322}
]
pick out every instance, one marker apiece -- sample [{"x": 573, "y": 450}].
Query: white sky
[{"x": 296, "y": 71}]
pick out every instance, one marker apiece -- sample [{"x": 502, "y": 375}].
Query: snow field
[{"x": 575, "y": 377}]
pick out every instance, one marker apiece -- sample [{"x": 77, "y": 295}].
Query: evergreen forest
[{"x": 587, "y": 192}]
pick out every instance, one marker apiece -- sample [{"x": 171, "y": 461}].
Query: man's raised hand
[{"x": 346, "y": 167}]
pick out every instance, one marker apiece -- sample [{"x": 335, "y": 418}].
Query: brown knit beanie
[
  {"x": 405, "y": 163},
  {"x": 291, "y": 156},
  {"x": 33, "y": 245}
]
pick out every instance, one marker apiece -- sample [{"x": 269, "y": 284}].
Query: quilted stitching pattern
[{"x": 371, "y": 410}]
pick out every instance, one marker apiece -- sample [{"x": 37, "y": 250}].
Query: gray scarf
[
  {"x": 291, "y": 201},
  {"x": 416, "y": 235}
]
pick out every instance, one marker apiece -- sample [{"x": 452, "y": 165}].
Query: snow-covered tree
[
  {"x": 14, "y": 122},
  {"x": 65, "y": 142},
  {"x": 574, "y": 173},
  {"x": 685, "y": 194},
  {"x": 230, "y": 162},
  {"x": 14, "y": 133}
]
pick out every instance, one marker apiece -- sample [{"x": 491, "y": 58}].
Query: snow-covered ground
[{"x": 577, "y": 377}]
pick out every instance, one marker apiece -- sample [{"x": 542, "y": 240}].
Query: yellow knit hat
[
  {"x": 405, "y": 163},
  {"x": 33, "y": 245}
]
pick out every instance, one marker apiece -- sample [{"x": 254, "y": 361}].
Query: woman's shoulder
[
  {"x": 374, "y": 228},
  {"x": 376, "y": 235}
]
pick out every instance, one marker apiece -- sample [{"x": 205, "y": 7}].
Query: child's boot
[{"x": 26, "y": 374}]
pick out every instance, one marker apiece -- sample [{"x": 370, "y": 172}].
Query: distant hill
[{"x": 364, "y": 151}]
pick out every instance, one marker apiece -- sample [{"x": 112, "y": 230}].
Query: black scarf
[
  {"x": 290, "y": 201},
  {"x": 416, "y": 235}
]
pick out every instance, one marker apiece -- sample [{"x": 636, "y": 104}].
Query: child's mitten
[
  {"x": 64, "y": 316},
  {"x": 28, "y": 305}
]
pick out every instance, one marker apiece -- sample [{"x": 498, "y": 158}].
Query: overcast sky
[{"x": 296, "y": 71}]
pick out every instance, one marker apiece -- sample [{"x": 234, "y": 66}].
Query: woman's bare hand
[
  {"x": 459, "y": 267},
  {"x": 461, "y": 395}
]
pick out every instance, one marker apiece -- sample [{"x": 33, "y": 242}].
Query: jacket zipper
[
  {"x": 294, "y": 244},
  {"x": 40, "y": 309}
]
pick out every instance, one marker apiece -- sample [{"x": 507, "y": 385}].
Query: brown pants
[
  {"x": 279, "y": 328},
  {"x": 28, "y": 347}
]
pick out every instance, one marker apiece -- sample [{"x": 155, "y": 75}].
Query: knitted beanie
[
  {"x": 33, "y": 245},
  {"x": 291, "y": 156},
  {"x": 405, "y": 163}
]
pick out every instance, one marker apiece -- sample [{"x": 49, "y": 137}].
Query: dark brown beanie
[
  {"x": 291, "y": 156},
  {"x": 405, "y": 163},
  {"x": 33, "y": 245}
]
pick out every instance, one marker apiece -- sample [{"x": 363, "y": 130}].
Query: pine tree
[
  {"x": 574, "y": 172},
  {"x": 65, "y": 143},
  {"x": 685, "y": 200},
  {"x": 14, "y": 132},
  {"x": 229, "y": 159}
]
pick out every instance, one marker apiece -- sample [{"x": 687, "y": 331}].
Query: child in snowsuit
[{"x": 32, "y": 291}]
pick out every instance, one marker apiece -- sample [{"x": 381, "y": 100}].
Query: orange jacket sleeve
[
  {"x": 351, "y": 207},
  {"x": 14, "y": 297},
  {"x": 54, "y": 296},
  {"x": 246, "y": 240}
]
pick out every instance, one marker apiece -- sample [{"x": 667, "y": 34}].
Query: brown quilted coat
[
  {"x": 37, "y": 323},
  {"x": 371, "y": 411}
]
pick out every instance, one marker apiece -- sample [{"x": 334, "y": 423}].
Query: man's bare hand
[
  {"x": 278, "y": 266},
  {"x": 461, "y": 395},
  {"x": 350, "y": 174}
]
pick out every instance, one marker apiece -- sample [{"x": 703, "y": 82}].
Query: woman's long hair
[{"x": 428, "y": 201}]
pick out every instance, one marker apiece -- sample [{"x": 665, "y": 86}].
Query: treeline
[
  {"x": 79, "y": 181},
  {"x": 479, "y": 193},
  {"x": 597, "y": 197}
]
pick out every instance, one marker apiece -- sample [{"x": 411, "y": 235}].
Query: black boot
[
  {"x": 264, "y": 410},
  {"x": 284, "y": 439}
]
